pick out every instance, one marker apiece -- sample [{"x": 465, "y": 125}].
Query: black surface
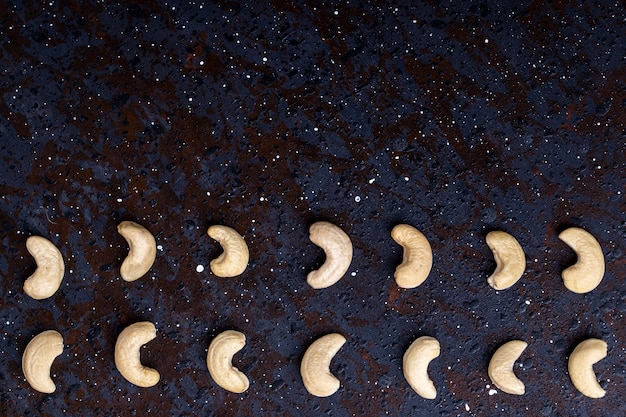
[{"x": 455, "y": 118}]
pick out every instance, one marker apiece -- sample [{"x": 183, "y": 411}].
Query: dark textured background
[{"x": 456, "y": 118}]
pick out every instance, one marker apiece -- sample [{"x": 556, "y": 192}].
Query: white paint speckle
[
  {"x": 199, "y": 268},
  {"x": 492, "y": 392}
]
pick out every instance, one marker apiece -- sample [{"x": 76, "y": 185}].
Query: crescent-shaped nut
[
  {"x": 417, "y": 256},
  {"x": 315, "y": 366},
  {"x": 38, "y": 357},
  {"x": 587, "y": 272},
  {"x": 415, "y": 365},
  {"x": 142, "y": 251},
  {"x": 509, "y": 257},
  {"x": 501, "y": 367},
  {"x": 338, "y": 249},
  {"x": 234, "y": 260},
  {"x": 580, "y": 367},
  {"x": 219, "y": 360},
  {"x": 127, "y": 354},
  {"x": 50, "y": 268}
]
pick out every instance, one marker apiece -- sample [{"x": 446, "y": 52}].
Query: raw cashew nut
[
  {"x": 315, "y": 366},
  {"x": 127, "y": 354},
  {"x": 509, "y": 257},
  {"x": 417, "y": 257},
  {"x": 234, "y": 260},
  {"x": 586, "y": 274},
  {"x": 415, "y": 365},
  {"x": 501, "y": 367},
  {"x": 580, "y": 367},
  {"x": 219, "y": 361},
  {"x": 50, "y": 268},
  {"x": 142, "y": 250},
  {"x": 338, "y": 249},
  {"x": 38, "y": 357}
]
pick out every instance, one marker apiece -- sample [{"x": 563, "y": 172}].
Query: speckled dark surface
[{"x": 457, "y": 119}]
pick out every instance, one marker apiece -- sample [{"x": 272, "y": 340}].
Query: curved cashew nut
[
  {"x": 338, "y": 249},
  {"x": 415, "y": 365},
  {"x": 509, "y": 257},
  {"x": 38, "y": 357},
  {"x": 234, "y": 260},
  {"x": 417, "y": 257},
  {"x": 127, "y": 354},
  {"x": 315, "y": 365},
  {"x": 219, "y": 361},
  {"x": 142, "y": 251},
  {"x": 501, "y": 367},
  {"x": 50, "y": 268},
  {"x": 580, "y": 367},
  {"x": 586, "y": 274}
]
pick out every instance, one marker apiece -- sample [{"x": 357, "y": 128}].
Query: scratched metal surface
[{"x": 457, "y": 119}]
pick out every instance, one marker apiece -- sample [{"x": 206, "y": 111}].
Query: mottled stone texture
[{"x": 456, "y": 117}]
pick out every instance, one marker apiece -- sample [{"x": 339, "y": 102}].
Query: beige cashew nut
[
  {"x": 417, "y": 256},
  {"x": 587, "y": 272},
  {"x": 38, "y": 358},
  {"x": 415, "y": 365},
  {"x": 219, "y": 361},
  {"x": 580, "y": 367},
  {"x": 338, "y": 249},
  {"x": 127, "y": 354},
  {"x": 315, "y": 366},
  {"x": 142, "y": 252},
  {"x": 234, "y": 260},
  {"x": 501, "y": 367},
  {"x": 509, "y": 257},
  {"x": 50, "y": 268}
]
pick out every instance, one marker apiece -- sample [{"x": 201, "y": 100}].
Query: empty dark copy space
[{"x": 458, "y": 118}]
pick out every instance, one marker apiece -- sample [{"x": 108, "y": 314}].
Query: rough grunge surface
[{"x": 457, "y": 118}]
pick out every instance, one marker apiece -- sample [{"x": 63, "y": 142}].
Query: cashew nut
[
  {"x": 501, "y": 367},
  {"x": 219, "y": 361},
  {"x": 234, "y": 260},
  {"x": 417, "y": 257},
  {"x": 587, "y": 272},
  {"x": 38, "y": 357},
  {"x": 338, "y": 249},
  {"x": 315, "y": 366},
  {"x": 50, "y": 268},
  {"x": 142, "y": 250},
  {"x": 127, "y": 354},
  {"x": 509, "y": 257},
  {"x": 415, "y": 365},
  {"x": 580, "y": 367}
]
